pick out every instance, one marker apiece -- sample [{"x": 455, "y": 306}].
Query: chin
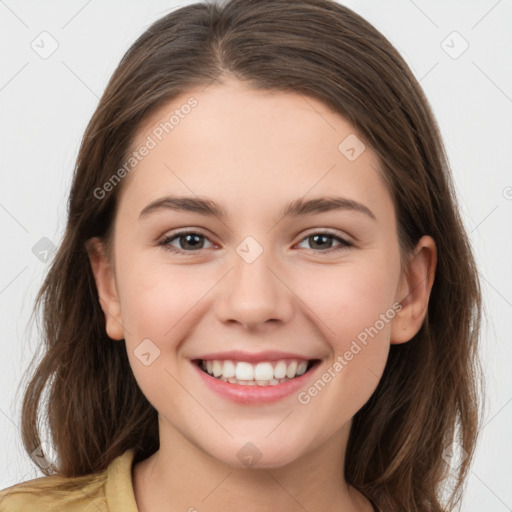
[{"x": 256, "y": 454}]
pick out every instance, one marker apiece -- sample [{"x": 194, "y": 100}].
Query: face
[{"x": 317, "y": 285}]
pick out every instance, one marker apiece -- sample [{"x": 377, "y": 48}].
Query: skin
[{"x": 254, "y": 152}]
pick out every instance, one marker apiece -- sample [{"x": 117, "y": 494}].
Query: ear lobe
[
  {"x": 104, "y": 277},
  {"x": 414, "y": 291}
]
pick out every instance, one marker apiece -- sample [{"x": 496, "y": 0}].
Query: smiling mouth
[{"x": 268, "y": 373}]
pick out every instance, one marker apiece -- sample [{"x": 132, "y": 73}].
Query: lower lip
[{"x": 254, "y": 393}]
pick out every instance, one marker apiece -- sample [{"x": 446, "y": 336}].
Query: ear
[
  {"x": 414, "y": 291},
  {"x": 104, "y": 276}
]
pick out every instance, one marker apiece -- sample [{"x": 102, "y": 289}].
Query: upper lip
[{"x": 239, "y": 355}]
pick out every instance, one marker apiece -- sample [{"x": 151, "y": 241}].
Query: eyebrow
[{"x": 296, "y": 208}]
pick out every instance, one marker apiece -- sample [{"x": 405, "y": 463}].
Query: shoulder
[
  {"x": 66, "y": 494},
  {"x": 55, "y": 493}
]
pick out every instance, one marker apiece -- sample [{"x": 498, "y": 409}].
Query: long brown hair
[{"x": 428, "y": 397}]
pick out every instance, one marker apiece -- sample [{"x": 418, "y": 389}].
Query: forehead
[{"x": 252, "y": 147}]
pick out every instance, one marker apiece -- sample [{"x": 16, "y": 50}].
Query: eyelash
[{"x": 165, "y": 242}]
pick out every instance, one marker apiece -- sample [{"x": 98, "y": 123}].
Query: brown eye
[
  {"x": 188, "y": 241},
  {"x": 324, "y": 241}
]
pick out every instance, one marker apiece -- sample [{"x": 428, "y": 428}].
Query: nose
[{"x": 254, "y": 294}]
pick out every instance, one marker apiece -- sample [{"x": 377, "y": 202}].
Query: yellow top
[{"x": 108, "y": 491}]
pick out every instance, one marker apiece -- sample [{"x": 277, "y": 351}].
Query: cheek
[
  {"x": 156, "y": 301},
  {"x": 158, "y": 304},
  {"x": 348, "y": 299},
  {"x": 354, "y": 317}
]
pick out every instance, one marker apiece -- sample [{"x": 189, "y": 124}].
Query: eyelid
[
  {"x": 164, "y": 240},
  {"x": 328, "y": 231},
  {"x": 309, "y": 232},
  {"x": 345, "y": 242}
]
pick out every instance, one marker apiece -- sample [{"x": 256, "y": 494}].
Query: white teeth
[
  {"x": 263, "y": 371},
  {"x": 292, "y": 370},
  {"x": 280, "y": 370},
  {"x": 261, "y": 374},
  {"x": 229, "y": 369},
  {"x": 244, "y": 371},
  {"x": 302, "y": 368},
  {"x": 217, "y": 368},
  {"x": 271, "y": 382}
]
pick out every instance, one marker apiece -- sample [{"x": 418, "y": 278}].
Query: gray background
[{"x": 45, "y": 104}]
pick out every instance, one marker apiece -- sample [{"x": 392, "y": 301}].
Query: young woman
[{"x": 265, "y": 298}]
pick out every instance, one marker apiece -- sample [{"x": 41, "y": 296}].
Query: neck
[{"x": 182, "y": 477}]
